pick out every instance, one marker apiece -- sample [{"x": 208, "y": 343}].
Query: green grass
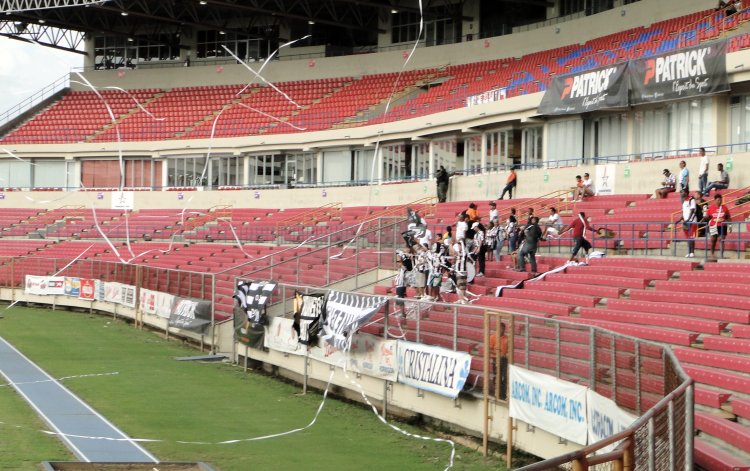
[{"x": 153, "y": 396}]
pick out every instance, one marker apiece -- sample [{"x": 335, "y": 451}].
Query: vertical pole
[
  {"x": 670, "y": 430},
  {"x": 485, "y": 384},
  {"x": 213, "y": 315},
  {"x": 651, "y": 444},
  {"x": 689, "y": 426}
]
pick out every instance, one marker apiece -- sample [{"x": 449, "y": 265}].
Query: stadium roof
[{"x": 66, "y": 23}]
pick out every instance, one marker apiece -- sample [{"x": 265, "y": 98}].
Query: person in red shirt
[
  {"x": 717, "y": 215},
  {"x": 579, "y": 226}
]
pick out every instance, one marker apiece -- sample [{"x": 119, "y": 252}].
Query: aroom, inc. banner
[
  {"x": 695, "y": 71},
  {"x": 596, "y": 89}
]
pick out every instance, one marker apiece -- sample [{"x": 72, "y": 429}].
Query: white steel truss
[{"x": 18, "y": 6}]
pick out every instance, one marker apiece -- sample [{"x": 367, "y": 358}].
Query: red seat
[{"x": 709, "y": 457}]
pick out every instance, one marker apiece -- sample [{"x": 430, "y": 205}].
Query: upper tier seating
[{"x": 191, "y": 112}]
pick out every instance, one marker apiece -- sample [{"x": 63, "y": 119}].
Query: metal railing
[{"x": 38, "y": 97}]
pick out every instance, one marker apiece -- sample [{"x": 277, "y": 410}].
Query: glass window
[
  {"x": 499, "y": 150},
  {"x": 565, "y": 140}
]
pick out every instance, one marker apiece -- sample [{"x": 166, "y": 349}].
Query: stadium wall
[{"x": 644, "y": 177}]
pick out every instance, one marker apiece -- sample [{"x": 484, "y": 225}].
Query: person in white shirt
[
  {"x": 588, "y": 185},
  {"x": 689, "y": 221},
  {"x": 461, "y": 227},
  {"x": 494, "y": 215},
  {"x": 426, "y": 239},
  {"x": 553, "y": 225},
  {"x": 459, "y": 253},
  {"x": 703, "y": 170}
]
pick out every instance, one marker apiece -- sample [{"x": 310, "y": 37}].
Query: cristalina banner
[
  {"x": 433, "y": 369},
  {"x": 541, "y": 400}
]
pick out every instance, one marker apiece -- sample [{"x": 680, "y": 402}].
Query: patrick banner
[{"x": 690, "y": 72}]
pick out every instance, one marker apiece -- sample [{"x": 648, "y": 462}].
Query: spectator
[
  {"x": 668, "y": 185},
  {"x": 460, "y": 256},
  {"x": 532, "y": 236},
  {"x": 717, "y": 216},
  {"x": 421, "y": 269},
  {"x": 404, "y": 258},
  {"x": 553, "y": 226},
  {"x": 493, "y": 215},
  {"x": 426, "y": 239},
  {"x": 480, "y": 247},
  {"x": 702, "y": 170},
  {"x": 500, "y": 347},
  {"x": 448, "y": 235},
  {"x": 579, "y": 226},
  {"x": 689, "y": 221},
  {"x": 436, "y": 262},
  {"x": 490, "y": 239},
  {"x": 461, "y": 227},
  {"x": 510, "y": 184},
  {"x": 684, "y": 180},
  {"x": 443, "y": 179},
  {"x": 472, "y": 213},
  {"x": 721, "y": 184},
  {"x": 529, "y": 215},
  {"x": 584, "y": 187},
  {"x": 699, "y": 209},
  {"x": 511, "y": 230}
]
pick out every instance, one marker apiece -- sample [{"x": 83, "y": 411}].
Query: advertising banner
[
  {"x": 487, "y": 97},
  {"x": 148, "y": 301},
  {"x": 369, "y": 355},
  {"x": 113, "y": 292},
  {"x": 44, "y": 285},
  {"x": 190, "y": 315},
  {"x": 605, "y": 179},
  {"x": 695, "y": 71},
  {"x": 433, "y": 369},
  {"x": 164, "y": 304},
  {"x": 72, "y": 286},
  {"x": 549, "y": 403},
  {"x": 127, "y": 295},
  {"x": 281, "y": 336},
  {"x": 87, "y": 289},
  {"x": 605, "y": 418},
  {"x": 122, "y": 199},
  {"x": 597, "y": 89}
]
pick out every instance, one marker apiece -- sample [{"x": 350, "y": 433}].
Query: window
[
  {"x": 675, "y": 128},
  {"x": 531, "y": 146},
  {"x": 364, "y": 170},
  {"x": 246, "y": 47},
  {"x": 607, "y": 136},
  {"x": 565, "y": 141},
  {"x": 499, "y": 148},
  {"x": 740, "y": 122},
  {"x": 187, "y": 171},
  {"x": 106, "y": 173},
  {"x": 395, "y": 162}
]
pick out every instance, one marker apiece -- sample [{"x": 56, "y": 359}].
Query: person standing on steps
[
  {"x": 443, "y": 180},
  {"x": 510, "y": 184}
]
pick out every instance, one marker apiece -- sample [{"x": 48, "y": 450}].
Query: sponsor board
[
  {"x": 127, "y": 295},
  {"x": 605, "y": 179},
  {"x": 490, "y": 96},
  {"x": 188, "y": 314},
  {"x": 72, "y": 286},
  {"x": 148, "y": 301},
  {"x": 112, "y": 292},
  {"x": 44, "y": 285},
  {"x": 123, "y": 200},
  {"x": 281, "y": 336},
  {"x": 87, "y": 289},
  {"x": 369, "y": 355},
  {"x": 164, "y": 304},
  {"x": 689, "y": 72},
  {"x": 549, "y": 403},
  {"x": 433, "y": 369},
  {"x": 582, "y": 92}
]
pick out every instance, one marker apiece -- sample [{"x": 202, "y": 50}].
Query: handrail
[
  {"x": 312, "y": 215},
  {"x": 676, "y": 215},
  {"x": 543, "y": 202},
  {"x": 39, "y": 96}
]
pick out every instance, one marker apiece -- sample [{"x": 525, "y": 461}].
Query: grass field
[{"x": 153, "y": 396}]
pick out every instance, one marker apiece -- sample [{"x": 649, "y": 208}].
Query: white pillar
[
  {"x": 483, "y": 150},
  {"x": 319, "y": 167}
]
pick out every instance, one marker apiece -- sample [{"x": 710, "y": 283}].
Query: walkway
[{"x": 68, "y": 415}]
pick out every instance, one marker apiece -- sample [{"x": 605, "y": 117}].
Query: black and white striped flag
[
  {"x": 308, "y": 309},
  {"x": 345, "y": 313}
]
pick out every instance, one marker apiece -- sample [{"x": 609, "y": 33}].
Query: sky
[{"x": 26, "y": 68}]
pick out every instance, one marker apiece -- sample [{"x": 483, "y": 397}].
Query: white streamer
[{"x": 93, "y": 375}]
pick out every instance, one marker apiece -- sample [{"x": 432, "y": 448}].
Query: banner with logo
[
  {"x": 112, "y": 292},
  {"x": 44, "y": 285},
  {"x": 592, "y": 90},
  {"x": 123, "y": 200},
  {"x": 487, "y": 97},
  {"x": 605, "y": 179},
  {"x": 605, "y": 418},
  {"x": 87, "y": 289},
  {"x": 148, "y": 301},
  {"x": 164, "y": 304},
  {"x": 345, "y": 313},
  {"x": 187, "y": 314},
  {"x": 695, "y": 71},
  {"x": 433, "y": 369},
  {"x": 369, "y": 355},
  {"x": 72, "y": 286},
  {"x": 554, "y": 405},
  {"x": 282, "y": 336},
  {"x": 127, "y": 295}
]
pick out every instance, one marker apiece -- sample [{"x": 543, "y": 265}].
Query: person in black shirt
[
  {"x": 443, "y": 179},
  {"x": 532, "y": 236}
]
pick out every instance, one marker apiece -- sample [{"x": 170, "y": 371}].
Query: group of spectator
[
  {"x": 681, "y": 182},
  {"x": 695, "y": 220}
]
